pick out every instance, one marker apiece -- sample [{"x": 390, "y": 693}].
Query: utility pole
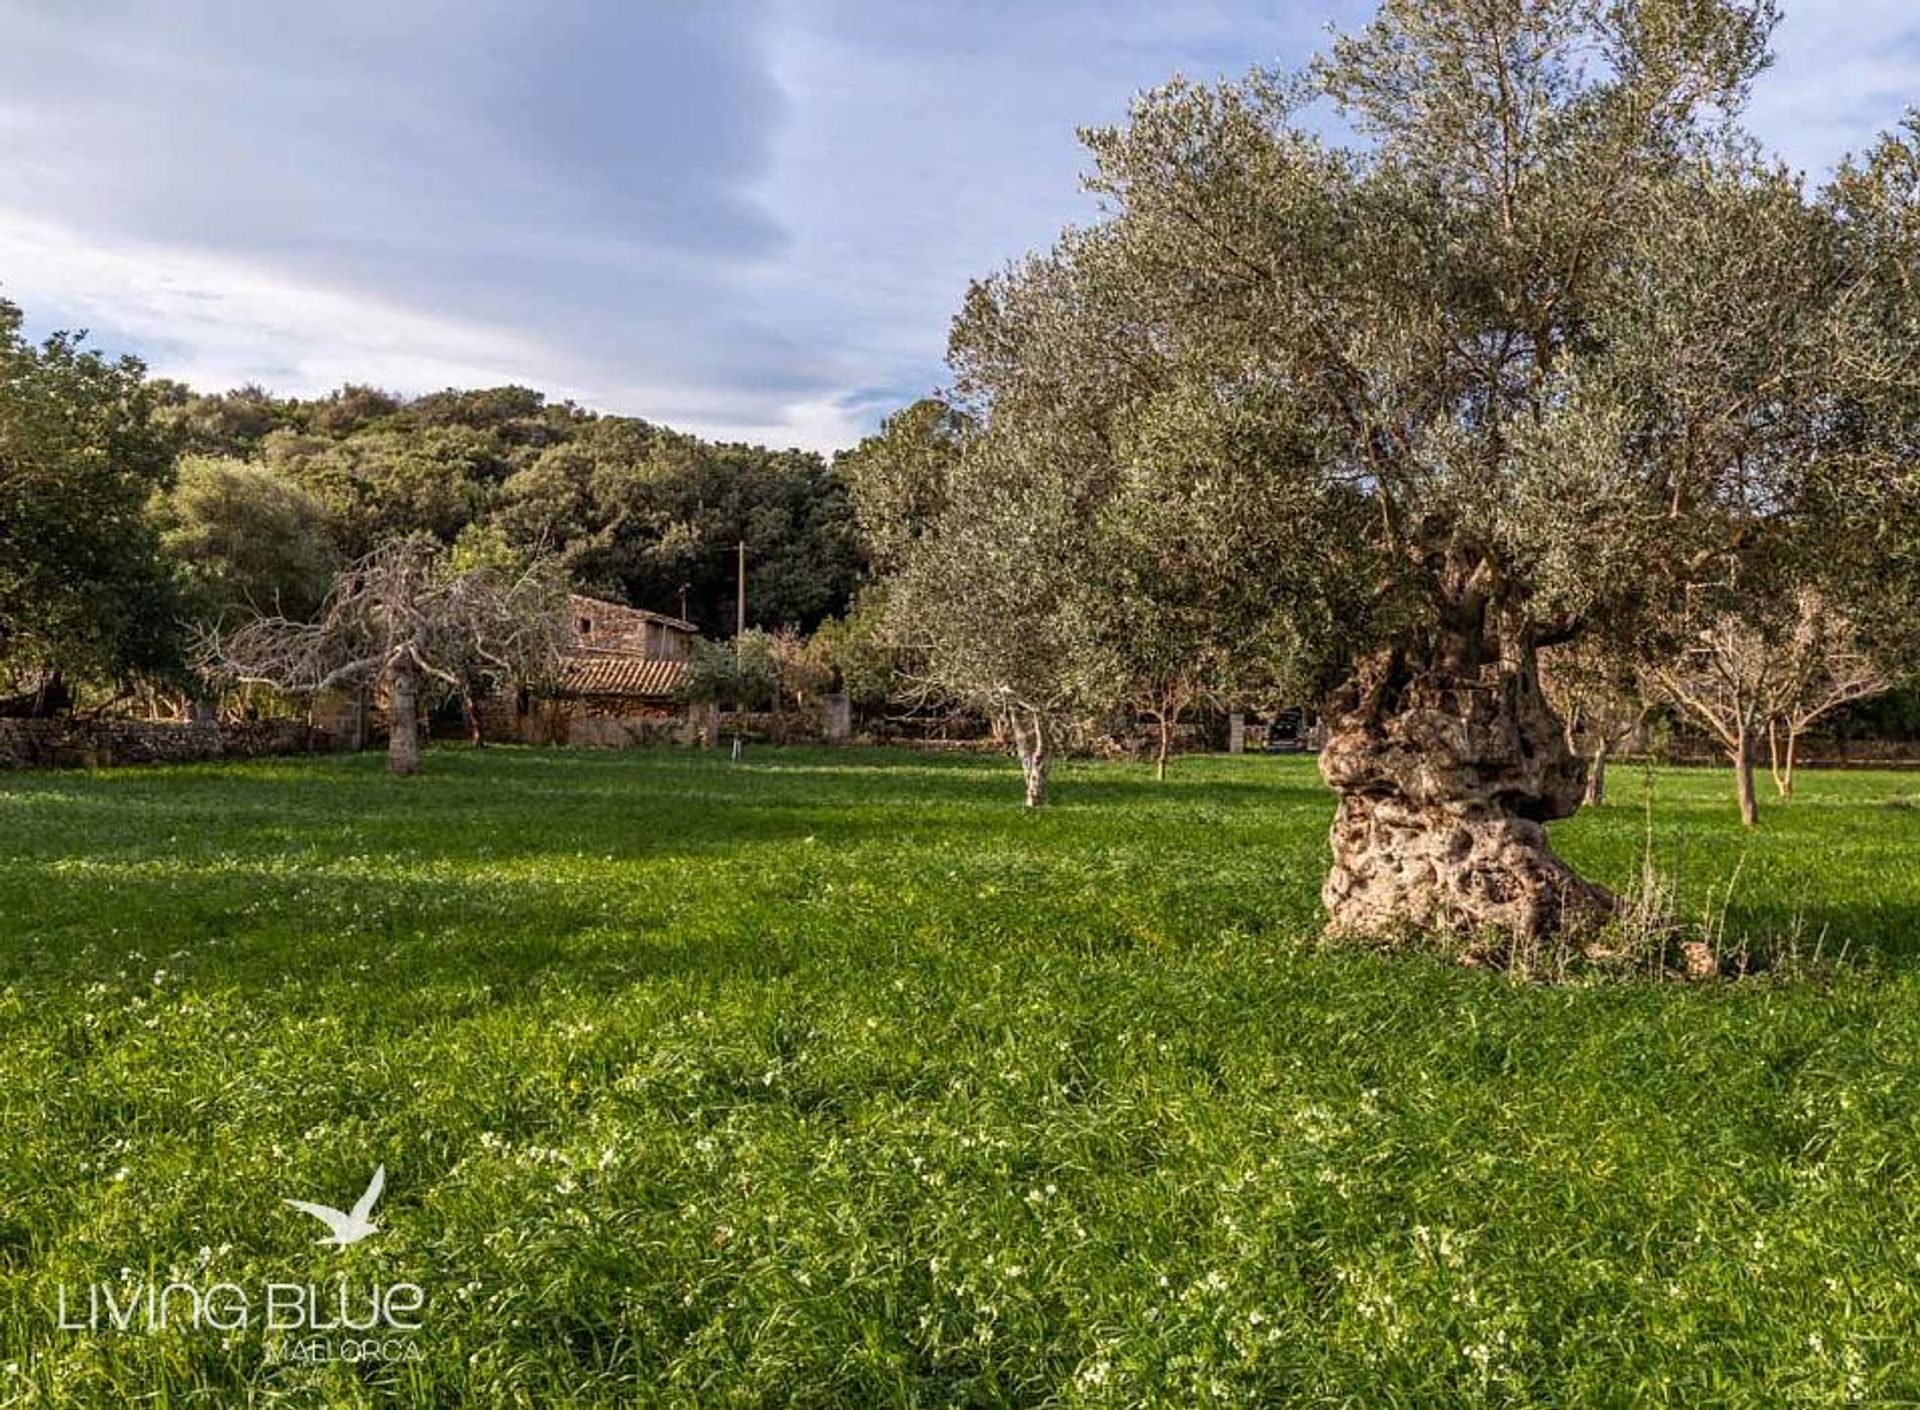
[
  {"x": 740, "y": 603},
  {"x": 683, "y": 601},
  {"x": 740, "y": 630}
]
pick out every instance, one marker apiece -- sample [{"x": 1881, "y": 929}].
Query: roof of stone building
[
  {"x": 574, "y": 599},
  {"x": 617, "y": 673}
]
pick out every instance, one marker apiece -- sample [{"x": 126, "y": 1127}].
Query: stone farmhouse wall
[
  {"x": 99, "y": 744},
  {"x": 595, "y": 625}
]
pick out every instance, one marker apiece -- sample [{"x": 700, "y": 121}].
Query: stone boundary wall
[
  {"x": 1814, "y": 753},
  {"x": 99, "y": 744}
]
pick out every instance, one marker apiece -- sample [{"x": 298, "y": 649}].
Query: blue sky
[{"x": 748, "y": 219}]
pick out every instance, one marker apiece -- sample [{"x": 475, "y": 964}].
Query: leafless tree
[
  {"x": 1775, "y": 668},
  {"x": 1595, "y": 692},
  {"x": 1725, "y": 680},
  {"x": 1824, "y": 666},
  {"x": 402, "y": 619}
]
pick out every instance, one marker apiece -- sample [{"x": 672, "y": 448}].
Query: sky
[{"x": 751, "y": 219}]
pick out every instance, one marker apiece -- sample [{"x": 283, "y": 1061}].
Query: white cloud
[
  {"x": 219, "y": 322},
  {"x": 750, "y": 218}
]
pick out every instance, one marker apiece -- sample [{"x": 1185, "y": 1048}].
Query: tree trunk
[
  {"x": 1448, "y": 761},
  {"x": 1032, "y": 735},
  {"x": 1164, "y": 747},
  {"x": 1596, "y": 794},
  {"x": 475, "y": 735},
  {"x": 1774, "y": 762},
  {"x": 52, "y": 696},
  {"x": 403, "y": 722},
  {"x": 1793, "y": 748},
  {"x": 1743, "y": 779}
]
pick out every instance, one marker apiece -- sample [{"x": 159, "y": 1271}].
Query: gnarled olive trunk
[
  {"x": 1448, "y": 761},
  {"x": 403, "y": 723}
]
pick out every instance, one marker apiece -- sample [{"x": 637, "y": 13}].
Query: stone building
[{"x": 618, "y": 682}]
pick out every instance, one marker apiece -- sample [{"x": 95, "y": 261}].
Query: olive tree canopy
[{"x": 1548, "y": 349}]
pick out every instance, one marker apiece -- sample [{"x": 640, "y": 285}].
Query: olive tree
[
  {"x": 979, "y": 604},
  {"x": 982, "y": 546},
  {"x": 1549, "y": 345}
]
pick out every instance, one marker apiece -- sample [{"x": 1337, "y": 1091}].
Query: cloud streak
[{"x": 749, "y": 218}]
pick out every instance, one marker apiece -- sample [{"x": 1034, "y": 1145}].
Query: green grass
[{"x": 836, "y": 1079}]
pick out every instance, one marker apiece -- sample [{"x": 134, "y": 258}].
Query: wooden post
[{"x": 836, "y": 718}]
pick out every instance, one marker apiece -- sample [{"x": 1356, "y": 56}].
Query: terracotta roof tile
[{"x": 610, "y": 673}]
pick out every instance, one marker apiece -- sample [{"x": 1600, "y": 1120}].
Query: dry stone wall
[{"x": 99, "y": 744}]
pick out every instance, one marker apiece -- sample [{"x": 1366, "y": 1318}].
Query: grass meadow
[{"x": 836, "y": 1079}]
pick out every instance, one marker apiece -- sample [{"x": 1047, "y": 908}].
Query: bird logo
[{"x": 349, "y": 1228}]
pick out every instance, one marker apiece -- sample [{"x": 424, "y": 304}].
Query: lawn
[{"x": 835, "y": 1078}]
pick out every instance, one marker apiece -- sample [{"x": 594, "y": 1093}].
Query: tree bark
[
  {"x": 1032, "y": 735},
  {"x": 475, "y": 735},
  {"x": 1742, "y": 752},
  {"x": 403, "y": 723},
  {"x": 1596, "y": 794},
  {"x": 1448, "y": 761},
  {"x": 1793, "y": 748},
  {"x": 1164, "y": 747}
]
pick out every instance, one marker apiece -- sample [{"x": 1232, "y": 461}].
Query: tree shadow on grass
[
  {"x": 500, "y": 849},
  {"x": 507, "y": 804}
]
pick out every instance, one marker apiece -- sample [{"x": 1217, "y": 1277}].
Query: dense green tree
[
  {"x": 352, "y": 408},
  {"x": 857, "y": 651},
  {"x": 387, "y": 481},
  {"x": 743, "y": 673},
  {"x": 644, "y": 513},
  {"x": 219, "y": 423},
  {"x": 633, "y": 510},
  {"x": 242, "y": 538},
  {"x": 82, "y": 587},
  {"x": 899, "y": 476}
]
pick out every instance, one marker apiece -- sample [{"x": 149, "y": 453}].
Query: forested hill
[{"x": 637, "y": 511}]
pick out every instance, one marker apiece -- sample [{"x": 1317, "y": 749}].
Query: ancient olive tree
[
  {"x": 405, "y": 619},
  {"x": 1548, "y": 346}
]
